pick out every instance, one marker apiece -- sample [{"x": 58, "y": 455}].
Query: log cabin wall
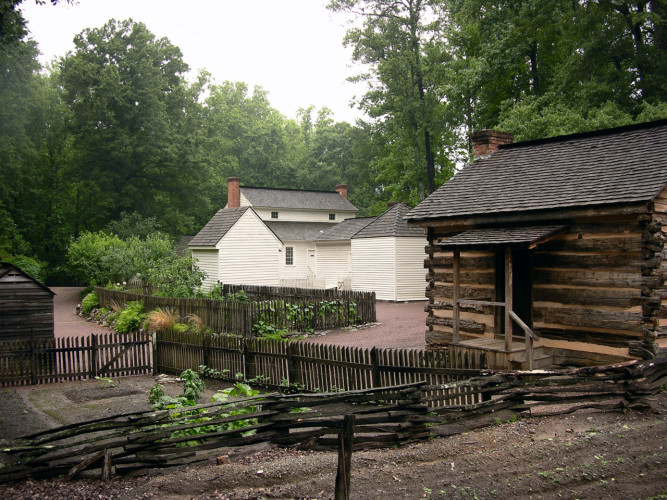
[
  {"x": 655, "y": 253},
  {"x": 587, "y": 286},
  {"x": 598, "y": 288},
  {"x": 26, "y": 307}
]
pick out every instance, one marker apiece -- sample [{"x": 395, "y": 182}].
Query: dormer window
[
  {"x": 332, "y": 216},
  {"x": 274, "y": 215}
]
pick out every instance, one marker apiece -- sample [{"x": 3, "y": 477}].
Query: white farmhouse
[{"x": 310, "y": 239}]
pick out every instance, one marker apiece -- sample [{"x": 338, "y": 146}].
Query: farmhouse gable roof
[
  {"x": 390, "y": 223},
  {"x": 296, "y": 199},
  {"x": 216, "y": 228},
  {"x": 614, "y": 166}
]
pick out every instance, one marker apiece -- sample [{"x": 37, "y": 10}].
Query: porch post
[
  {"x": 455, "y": 297},
  {"x": 508, "y": 299}
]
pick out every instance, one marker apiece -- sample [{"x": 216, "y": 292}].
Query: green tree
[
  {"x": 128, "y": 100},
  {"x": 401, "y": 43}
]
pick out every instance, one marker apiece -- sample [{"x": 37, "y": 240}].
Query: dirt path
[
  {"x": 65, "y": 321},
  {"x": 586, "y": 455}
]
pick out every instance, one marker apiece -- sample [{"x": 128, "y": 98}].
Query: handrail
[{"x": 530, "y": 335}]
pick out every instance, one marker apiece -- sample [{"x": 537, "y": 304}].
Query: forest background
[{"x": 114, "y": 137}]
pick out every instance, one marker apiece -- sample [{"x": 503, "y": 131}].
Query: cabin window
[
  {"x": 274, "y": 215},
  {"x": 289, "y": 256},
  {"x": 332, "y": 216}
]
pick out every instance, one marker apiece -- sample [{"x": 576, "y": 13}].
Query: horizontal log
[
  {"x": 589, "y": 318},
  {"x": 627, "y": 262},
  {"x": 464, "y": 325},
  {"x": 466, "y": 277},
  {"x": 608, "y": 279}
]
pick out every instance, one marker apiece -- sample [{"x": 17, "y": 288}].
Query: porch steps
[
  {"x": 540, "y": 360},
  {"x": 487, "y": 352}
]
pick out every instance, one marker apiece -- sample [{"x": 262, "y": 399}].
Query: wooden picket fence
[
  {"x": 306, "y": 366},
  {"x": 224, "y": 316},
  {"x": 29, "y": 362}
]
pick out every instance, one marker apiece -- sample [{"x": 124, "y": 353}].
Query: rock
[{"x": 223, "y": 459}]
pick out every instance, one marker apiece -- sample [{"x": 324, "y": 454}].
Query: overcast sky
[{"x": 292, "y": 48}]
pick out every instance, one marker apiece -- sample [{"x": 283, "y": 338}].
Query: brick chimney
[
  {"x": 342, "y": 190},
  {"x": 233, "y": 192},
  {"x": 486, "y": 142}
]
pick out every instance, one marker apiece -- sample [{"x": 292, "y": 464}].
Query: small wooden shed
[
  {"x": 560, "y": 241},
  {"x": 26, "y": 306},
  {"x": 388, "y": 257}
]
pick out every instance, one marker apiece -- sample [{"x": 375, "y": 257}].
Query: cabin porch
[{"x": 510, "y": 347}]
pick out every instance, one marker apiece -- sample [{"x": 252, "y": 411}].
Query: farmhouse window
[
  {"x": 274, "y": 215},
  {"x": 289, "y": 256},
  {"x": 332, "y": 216}
]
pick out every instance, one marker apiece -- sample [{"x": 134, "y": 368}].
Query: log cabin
[
  {"x": 550, "y": 252},
  {"x": 26, "y": 306}
]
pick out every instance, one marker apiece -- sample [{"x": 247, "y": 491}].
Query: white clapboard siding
[
  {"x": 373, "y": 266},
  {"x": 207, "y": 261},
  {"x": 333, "y": 263},
  {"x": 410, "y": 272},
  {"x": 299, "y": 269},
  {"x": 295, "y": 215},
  {"x": 249, "y": 253}
]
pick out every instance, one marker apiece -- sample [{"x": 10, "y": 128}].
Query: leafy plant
[
  {"x": 130, "y": 318},
  {"x": 89, "y": 302},
  {"x": 106, "y": 382},
  {"x": 239, "y": 296}
]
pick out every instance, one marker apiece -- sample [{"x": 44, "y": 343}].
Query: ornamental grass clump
[{"x": 162, "y": 320}]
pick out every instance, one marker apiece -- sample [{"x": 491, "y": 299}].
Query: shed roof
[
  {"x": 344, "y": 230},
  {"x": 619, "y": 165},
  {"x": 505, "y": 236},
  {"x": 217, "y": 227},
  {"x": 289, "y": 230},
  {"x": 294, "y": 198},
  {"x": 5, "y": 271},
  {"x": 391, "y": 223}
]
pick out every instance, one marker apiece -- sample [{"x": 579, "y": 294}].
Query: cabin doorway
[{"x": 522, "y": 288}]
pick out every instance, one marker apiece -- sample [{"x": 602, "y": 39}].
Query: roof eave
[{"x": 533, "y": 216}]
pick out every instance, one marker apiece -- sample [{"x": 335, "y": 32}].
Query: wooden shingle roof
[
  {"x": 297, "y": 199},
  {"x": 217, "y": 227},
  {"x": 289, "y": 230},
  {"x": 613, "y": 166},
  {"x": 346, "y": 229},
  {"x": 390, "y": 223}
]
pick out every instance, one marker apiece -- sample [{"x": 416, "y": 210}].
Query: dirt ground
[{"x": 586, "y": 455}]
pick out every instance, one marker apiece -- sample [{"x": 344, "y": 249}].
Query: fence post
[
  {"x": 93, "y": 355},
  {"x": 246, "y": 363},
  {"x": 156, "y": 366},
  {"x": 345, "y": 443},
  {"x": 375, "y": 366},
  {"x": 204, "y": 345},
  {"x": 291, "y": 364},
  {"x": 33, "y": 367}
]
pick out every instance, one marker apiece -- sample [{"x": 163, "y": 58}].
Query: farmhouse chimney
[
  {"x": 233, "y": 192},
  {"x": 486, "y": 142},
  {"x": 342, "y": 190}
]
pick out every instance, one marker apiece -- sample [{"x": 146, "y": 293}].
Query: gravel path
[
  {"x": 65, "y": 321},
  {"x": 401, "y": 325}
]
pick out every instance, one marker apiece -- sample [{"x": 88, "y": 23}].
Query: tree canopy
[{"x": 118, "y": 140}]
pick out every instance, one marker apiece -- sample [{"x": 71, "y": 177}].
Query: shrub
[
  {"x": 89, "y": 303},
  {"x": 130, "y": 318}
]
